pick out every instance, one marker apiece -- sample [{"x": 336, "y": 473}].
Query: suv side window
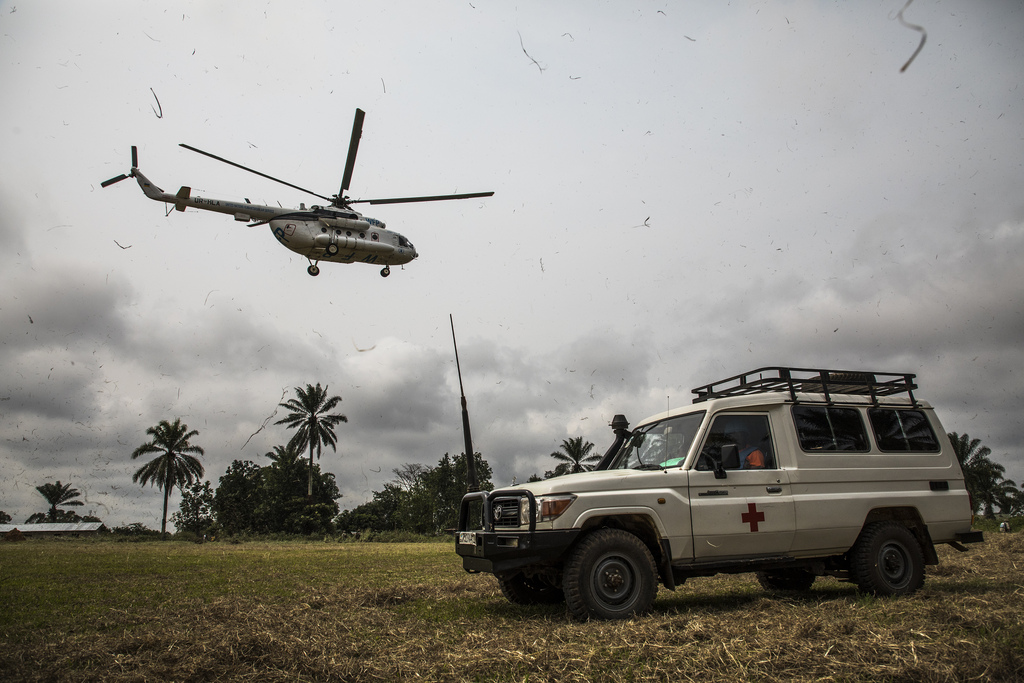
[
  {"x": 827, "y": 429},
  {"x": 750, "y": 434},
  {"x": 902, "y": 430}
]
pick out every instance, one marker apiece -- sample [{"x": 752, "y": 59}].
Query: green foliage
[
  {"x": 991, "y": 526},
  {"x": 574, "y": 456},
  {"x": 175, "y": 466},
  {"x": 236, "y": 498},
  {"x": 984, "y": 478},
  {"x": 272, "y": 499},
  {"x": 310, "y": 416},
  {"x": 4, "y": 518},
  {"x": 195, "y": 513},
  {"x": 134, "y": 532},
  {"x": 60, "y": 517},
  {"x": 422, "y": 500},
  {"x": 560, "y": 469},
  {"x": 57, "y": 495}
]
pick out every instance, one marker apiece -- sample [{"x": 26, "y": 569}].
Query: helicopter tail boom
[
  {"x": 183, "y": 199},
  {"x": 151, "y": 190}
]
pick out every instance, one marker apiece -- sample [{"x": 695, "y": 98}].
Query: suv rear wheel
[
  {"x": 610, "y": 575},
  {"x": 887, "y": 560}
]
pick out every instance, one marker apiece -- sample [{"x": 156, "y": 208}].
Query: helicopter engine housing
[
  {"x": 346, "y": 224},
  {"x": 352, "y": 243}
]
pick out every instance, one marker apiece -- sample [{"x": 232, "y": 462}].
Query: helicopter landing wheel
[
  {"x": 385, "y": 271},
  {"x": 332, "y": 249},
  {"x": 313, "y": 270}
]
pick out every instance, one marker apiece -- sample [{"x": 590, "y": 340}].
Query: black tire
[
  {"x": 523, "y": 590},
  {"x": 313, "y": 270},
  {"x": 610, "y": 575},
  {"x": 786, "y": 580},
  {"x": 887, "y": 560}
]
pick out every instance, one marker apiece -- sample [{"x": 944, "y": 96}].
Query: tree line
[{"x": 291, "y": 494}]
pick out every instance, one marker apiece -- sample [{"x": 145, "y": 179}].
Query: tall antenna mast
[{"x": 471, "y": 481}]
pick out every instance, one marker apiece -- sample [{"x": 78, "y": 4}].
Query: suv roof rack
[{"x": 804, "y": 380}]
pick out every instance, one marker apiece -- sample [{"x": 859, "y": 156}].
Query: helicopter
[{"x": 333, "y": 233}]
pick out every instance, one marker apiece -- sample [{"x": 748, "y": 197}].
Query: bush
[
  {"x": 370, "y": 536},
  {"x": 134, "y": 532},
  {"x": 992, "y": 525},
  {"x": 14, "y": 535}
]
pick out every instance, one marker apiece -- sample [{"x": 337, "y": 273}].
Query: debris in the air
[
  {"x": 919, "y": 29},
  {"x": 528, "y": 54},
  {"x": 159, "y": 114}
]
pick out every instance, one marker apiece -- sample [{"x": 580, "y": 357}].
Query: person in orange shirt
[{"x": 751, "y": 457}]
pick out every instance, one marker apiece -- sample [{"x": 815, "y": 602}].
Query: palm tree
[
  {"x": 58, "y": 495},
  {"x": 175, "y": 466},
  {"x": 313, "y": 421},
  {"x": 983, "y": 477},
  {"x": 576, "y": 454},
  {"x": 284, "y": 457}
]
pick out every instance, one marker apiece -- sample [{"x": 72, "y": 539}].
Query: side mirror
[{"x": 730, "y": 459}]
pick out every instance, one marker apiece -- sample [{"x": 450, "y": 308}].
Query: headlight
[{"x": 551, "y": 507}]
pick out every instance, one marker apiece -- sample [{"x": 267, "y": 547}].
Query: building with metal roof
[{"x": 53, "y": 529}]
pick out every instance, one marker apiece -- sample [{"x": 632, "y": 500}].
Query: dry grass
[{"x": 371, "y": 612}]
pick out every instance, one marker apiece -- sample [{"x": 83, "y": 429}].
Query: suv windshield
[{"x": 658, "y": 445}]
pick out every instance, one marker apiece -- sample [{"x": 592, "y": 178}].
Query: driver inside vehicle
[{"x": 751, "y": 457}]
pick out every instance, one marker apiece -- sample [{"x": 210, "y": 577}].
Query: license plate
[{"x": 467, "y": 538}]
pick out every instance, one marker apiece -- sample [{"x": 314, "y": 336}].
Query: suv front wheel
[
  {"x": 887, "y": 560},
  {"x": 610, "y": 575}
]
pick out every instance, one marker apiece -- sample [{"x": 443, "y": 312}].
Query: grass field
[{"x": 101, "y": 610}]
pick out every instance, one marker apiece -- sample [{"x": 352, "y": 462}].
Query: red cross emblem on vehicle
[{"x": 752, "y": 516}]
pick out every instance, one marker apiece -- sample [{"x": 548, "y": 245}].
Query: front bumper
[
  {"x": 499, "y": 552},
  {"x": 486, "y": 547}
]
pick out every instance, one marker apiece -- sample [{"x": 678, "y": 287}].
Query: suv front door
[{"x": 740, "y": 500}]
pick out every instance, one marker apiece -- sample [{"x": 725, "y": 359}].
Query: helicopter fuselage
[
  {"x": 318, "y": 233},
  {"x": 327, "y": 234}
]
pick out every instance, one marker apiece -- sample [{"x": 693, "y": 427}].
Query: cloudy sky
[{"x": 683, "y": 191}]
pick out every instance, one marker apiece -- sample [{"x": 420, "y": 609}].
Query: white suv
[{"x": 787, "y": 472}]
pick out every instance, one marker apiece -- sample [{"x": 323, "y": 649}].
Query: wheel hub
[
  {"x": 615, "y": 580},
  {"x": 893, "y": 563}
]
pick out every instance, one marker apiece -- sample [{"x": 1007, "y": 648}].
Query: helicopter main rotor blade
[
  {"x": 406, "y": 200},
  {"x": 353, "y": 147},
  {"x": 246, "y": 168}
]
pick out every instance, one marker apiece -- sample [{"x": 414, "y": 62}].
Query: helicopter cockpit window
[
  {"x": 402, "y": 242},
  {"x": 659, "y": 445}
]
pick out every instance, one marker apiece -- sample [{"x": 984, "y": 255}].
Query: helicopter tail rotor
[{"x": 124, "y": 176}]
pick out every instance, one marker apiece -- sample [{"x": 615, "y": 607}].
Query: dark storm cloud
[
  {"x": 185, "y": 342},
  {"x": 394, "y": 388},
  {"x": 55, "y": 336},
  {"x": 69, "y": 310},
  {"x": 12, "y": 242}
]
